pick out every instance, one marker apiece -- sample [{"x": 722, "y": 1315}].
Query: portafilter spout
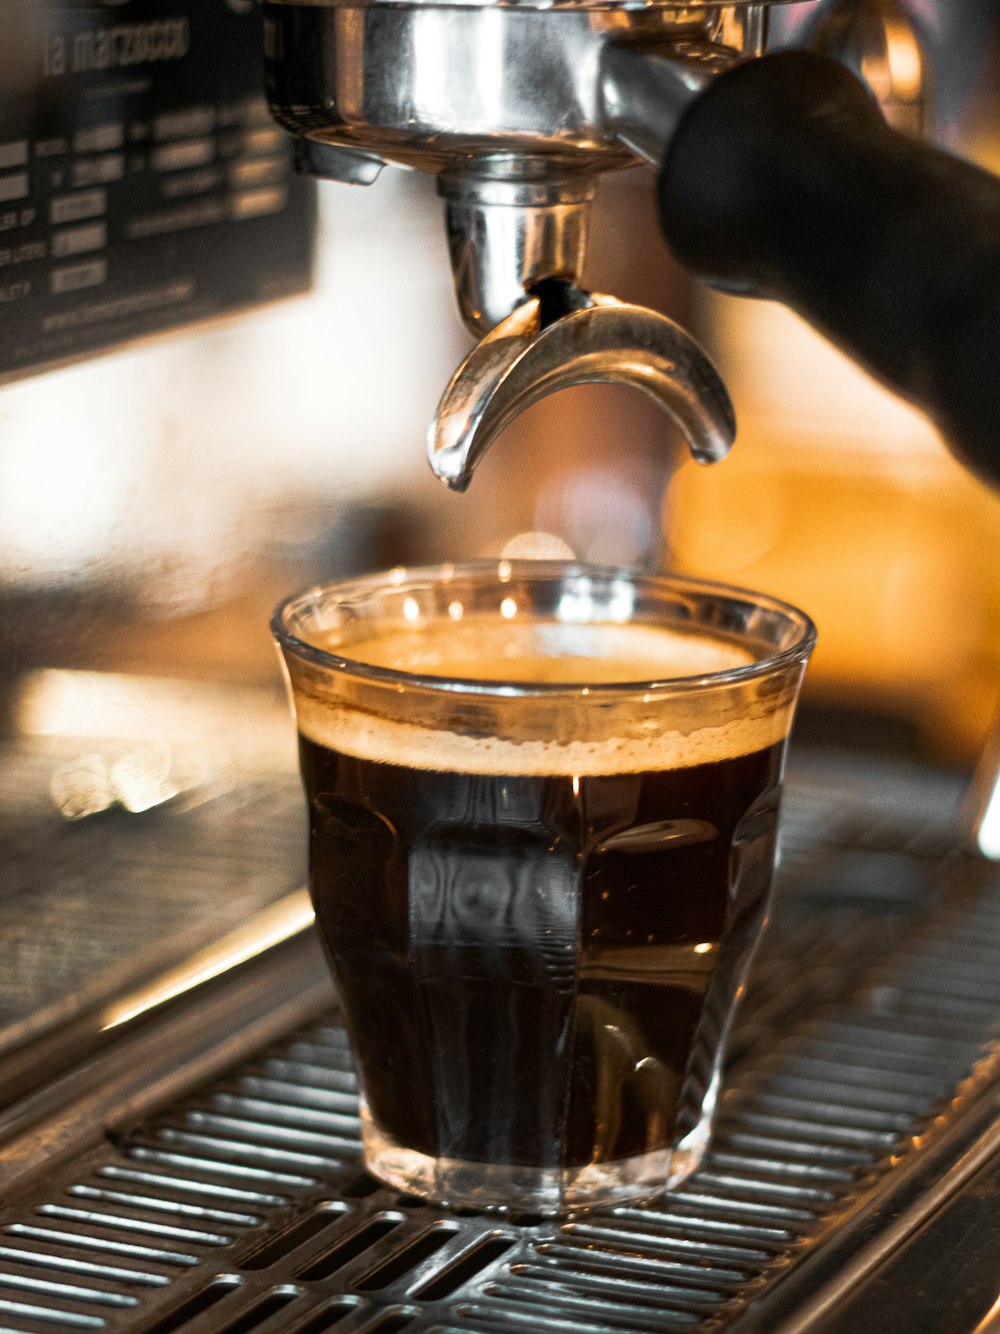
[
  {"x": 517, "y": 234},
  {"x": 561, "y": 337},
  {"x": 507, "y": 104},
  {"x": 777, "y": 173},
  {"x": 513, "y": 222}
]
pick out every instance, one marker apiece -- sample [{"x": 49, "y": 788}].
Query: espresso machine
[
  {"x": 777, "y": 177},
  {"x": 178, "y": 1126}
]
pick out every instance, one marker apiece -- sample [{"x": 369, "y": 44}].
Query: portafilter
[{"x": 778, "y": 176}]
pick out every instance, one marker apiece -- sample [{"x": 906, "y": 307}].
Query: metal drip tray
[
  {"x": 207, "y": 1178},
  {"x": 139, "y": 820}
]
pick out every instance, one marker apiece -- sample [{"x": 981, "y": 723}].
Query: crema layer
[{"x": 578, "y": 656}]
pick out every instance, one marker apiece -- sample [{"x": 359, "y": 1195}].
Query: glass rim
[{"x": 546, "y": 570}]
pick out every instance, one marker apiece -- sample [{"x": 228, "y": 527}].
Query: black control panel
[{"x": 143, "y": 185}]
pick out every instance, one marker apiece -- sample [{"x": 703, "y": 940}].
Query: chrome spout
[
  {"x": 595, "y": 339},
  {"x": 512, "y": 223}
]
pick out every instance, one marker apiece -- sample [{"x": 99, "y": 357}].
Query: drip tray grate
[{"x": 244, "y": 1208}]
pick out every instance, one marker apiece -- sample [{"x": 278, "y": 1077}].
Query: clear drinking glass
[{"x": 543, "y": 802}]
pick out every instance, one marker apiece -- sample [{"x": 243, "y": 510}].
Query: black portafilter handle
[{"x": 784, "y": 181}]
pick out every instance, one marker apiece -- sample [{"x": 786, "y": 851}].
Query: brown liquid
[{"x": 536, "y": 969}]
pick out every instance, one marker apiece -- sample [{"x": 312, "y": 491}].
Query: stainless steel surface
[
  {"x": 143, "y": 822},
  {"x": 245, "y": 999},
  {"x": 936, "y": 1268},
  {"x": 645, "y": 92},
  {"x": 327, "y": 162},
  {"x": 512, "y": 223},
  {"x": 880, "y": 42},
  {"x": 593, "y": 338},
  {"x": 509, "y": 104},
  {"x": 861, "y": 1096},
  {"x": 441, "y": 85}
]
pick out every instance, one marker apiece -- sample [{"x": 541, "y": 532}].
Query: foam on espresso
[{"x": 574, "y": 655}]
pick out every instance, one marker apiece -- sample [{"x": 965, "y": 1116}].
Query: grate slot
[
  {"x": 155, "y": 1204},
  {"x": 827, "y": 1071},
  {"x": 814, "y": 1149},
  {"x": 351, "y": 1246},
  {"x": 882, "y": 1037},
  {"x": 57, "y": 1237},
  {"x": 684, "y": 1243},
  {"x": 94, "y": 1218},
  {"x": 488, "y": 1319},
  {"x": 838, "y": 1177},
  {"x": 731, "y": 1230},
  {"x": 72, "y": 1292},
  {"x": 597, "y": 1283},
  {"x": 197, "y": 1304},
  {"x": 390, "y": 1321},
  {"x": 361, "y": 1187},
  {"x": 181, "y": 1185},
  {"x": 741, "y": 1193},
  {"x": 245, "y": 1171},
  {"x": 302, "y": 1094},
  {"x": 412, "y": 1255},
  {"x": 781, "y": 1102},
  {"x": 250, "y": 1154},
  {"x": 262, "y": 1310},
  {"x": 963, "y": 949},
  {"x": 277, "y": 1115},
  {"x": 744, "y": 1219},
  {"x": 332, "y": 1314},
  {"x": 45, "y": 1315},
  {"x": 317, "y": 1070},
  {"x": 305, "y": 1229},
  {"x": 795, "y": 1090},
  {"x": 472, "y": 1262},
  {"x": 654, "y": 1267},
  {"x": 538, "y": 1295},
  {"x": 65, "y": 1264},
  {"x": 826, "y": 1134},
  {"x": 268, "y": 1132},
  {"x": 327, "y": 1048},
  {"x": 693, "y": 1268},
  {"x": 929, "y": 1062},
  {"x": 931, "y": 1005}
]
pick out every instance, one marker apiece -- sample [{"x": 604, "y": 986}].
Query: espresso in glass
[{"x": 543, "y": 805}]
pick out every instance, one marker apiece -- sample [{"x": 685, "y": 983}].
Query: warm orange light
[
  {"x": 844, "y": 501},
  {"x": 905, "y": 61}
]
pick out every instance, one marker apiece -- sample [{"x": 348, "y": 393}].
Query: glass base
[{"x": 516, "y": 1188}]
